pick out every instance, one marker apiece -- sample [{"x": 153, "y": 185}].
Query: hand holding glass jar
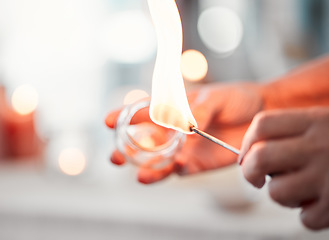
[{"x": 224, "y": 111}]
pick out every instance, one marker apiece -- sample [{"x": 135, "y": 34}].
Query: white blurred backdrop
[{"x": 84, "y": 58}]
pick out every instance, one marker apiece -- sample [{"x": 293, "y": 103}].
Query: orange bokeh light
[
  {"x": 134, "y": 95},
  {"x": 72, "y": 161},
  {"x": 194, "y": 65},
  {"x": 24, "y": 99}
]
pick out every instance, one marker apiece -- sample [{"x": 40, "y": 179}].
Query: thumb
[{"x": 111, "y": 118}]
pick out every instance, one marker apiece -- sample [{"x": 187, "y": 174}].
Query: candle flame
[{"x": 169, "y": 105}]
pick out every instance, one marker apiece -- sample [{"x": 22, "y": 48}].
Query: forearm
[{"x": 305, "y": 87}]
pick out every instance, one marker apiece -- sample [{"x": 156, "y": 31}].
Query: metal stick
[{"x": 215, "y": 140}]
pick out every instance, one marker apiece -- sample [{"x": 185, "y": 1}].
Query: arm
[{"x": 307, "y": 86}]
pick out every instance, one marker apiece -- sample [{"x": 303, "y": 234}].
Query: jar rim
[{"x": 125, "y": 119}]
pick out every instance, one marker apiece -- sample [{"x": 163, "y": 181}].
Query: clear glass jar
[{"x": 141, "y": 141}]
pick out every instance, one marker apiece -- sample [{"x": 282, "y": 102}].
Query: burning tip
[{"x": 192, "y": 127}]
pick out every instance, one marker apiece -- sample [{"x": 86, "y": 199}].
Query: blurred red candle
[
  {"x": 19, "y": 136},
  {"x": 2, "y": 130}
]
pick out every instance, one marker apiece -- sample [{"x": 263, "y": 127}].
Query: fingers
[
  {"x": 199, "y": 154},
  {"x": 271, "y": 157},
  {"x": 151, "y": 173},
  {"x": 294, "y": 189},
  {"x": 148, "y": 173},
  {"x": 185, "y": 165},
  {"x": 315, "y": 216},
  {"x": 117, "y": 158},
  {"x": 273, "y": 124},
  {"x": 111, "y": 118}
]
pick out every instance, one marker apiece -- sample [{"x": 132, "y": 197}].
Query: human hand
[
  {"x": 224, "y": 111},
  {"x": 293, "y": 147}
]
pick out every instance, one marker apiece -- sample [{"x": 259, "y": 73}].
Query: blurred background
[{"x": 64, "y": 64}]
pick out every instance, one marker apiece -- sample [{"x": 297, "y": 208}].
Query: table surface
[{"x": 42, "y": 203}]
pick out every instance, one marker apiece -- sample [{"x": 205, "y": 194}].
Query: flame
[{"x": 169, "y": 106}]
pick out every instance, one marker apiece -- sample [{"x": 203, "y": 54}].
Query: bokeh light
[
  {"x": 72, "y": 161},
  {"x": 24, "y": 99},
  {"x": 220, "y": 29},
  {"x": 129, "y": 37},
  {"x": 134, "y": 95},
  {"x": 194, "y": 65}
]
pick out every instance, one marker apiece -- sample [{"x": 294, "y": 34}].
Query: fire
[{"x": 169, "y": 106}]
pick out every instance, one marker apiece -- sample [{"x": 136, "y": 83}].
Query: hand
[
  {"x": 293, "y": 147},
  {"x": 224, "y": 111}
]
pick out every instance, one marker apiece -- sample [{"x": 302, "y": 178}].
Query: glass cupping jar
[{"x": 141, "y": 141}]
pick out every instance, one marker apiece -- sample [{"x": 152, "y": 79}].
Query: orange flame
[{"x": 169, "y": 106}]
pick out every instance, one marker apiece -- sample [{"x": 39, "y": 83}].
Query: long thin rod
[{"x": 215, "y": 140}]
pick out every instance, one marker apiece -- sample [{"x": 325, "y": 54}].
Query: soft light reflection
[
  {"x": 134, "y": 95},
  {"x": 147, "y": 142},
  {"x": 194, "y": 65},
  {"x": 129, "y": 37},
  {"x": 72, "y": 161},
  {"x": 220, "y": 29},
  {"x": 24, "y": 99}
]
